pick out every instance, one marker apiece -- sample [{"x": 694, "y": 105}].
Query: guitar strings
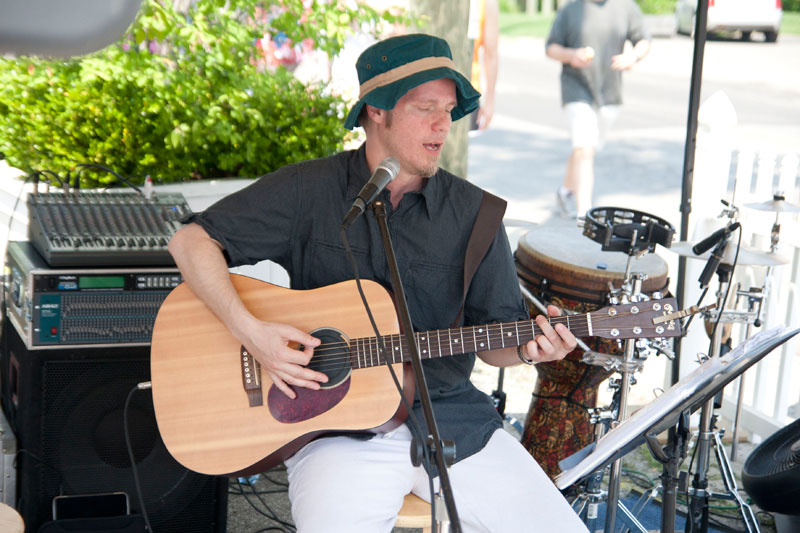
[
  {"x": 344, "y": 352},
  {"x": 503, "y": 328},
  {"x": 332, "y": 354}
]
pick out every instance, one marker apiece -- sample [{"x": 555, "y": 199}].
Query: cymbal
[
  {"x": 777, "y": 205},
  {"x": 747, "y": 256}
]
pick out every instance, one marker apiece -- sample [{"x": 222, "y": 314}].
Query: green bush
[
  {"x": 656, "y": 7},
  {"x": 182, "y": 96},
  {"x": 510, "y": 6},
  {"x": 791, "y": 5}
]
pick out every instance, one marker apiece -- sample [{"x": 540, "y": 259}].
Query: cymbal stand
[
  {"x": 708, "y": 435},
  {"x": 755, "y": 298}
]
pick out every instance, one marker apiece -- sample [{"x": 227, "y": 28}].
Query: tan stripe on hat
[{"x": 403, "y": 71}]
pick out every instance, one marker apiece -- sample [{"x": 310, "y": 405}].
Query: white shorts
[
  {"x": 344, "y": 485},
  {"x": 588, "y": 125}
]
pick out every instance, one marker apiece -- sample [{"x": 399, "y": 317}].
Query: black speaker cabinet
[{"x": 66, "y": 408}]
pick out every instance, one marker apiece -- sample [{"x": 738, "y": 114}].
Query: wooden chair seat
[
  {"x": 11, "y": 521},
  {"x": 415, "y": 513}
]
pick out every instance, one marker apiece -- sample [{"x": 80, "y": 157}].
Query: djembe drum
[{"x": 563, "y": 268}]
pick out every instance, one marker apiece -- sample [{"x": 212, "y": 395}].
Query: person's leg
[
  {"x": 579, "y": 176},
  {"x": 502, "y": 489},
  {"x": 341, "y": 484},
  {"x": 607, "y": 116}
]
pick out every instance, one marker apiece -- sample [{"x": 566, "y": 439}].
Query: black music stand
[{"x": 683, "y": 398}]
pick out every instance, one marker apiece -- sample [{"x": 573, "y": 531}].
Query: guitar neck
[{"x": 365, "y": 352}]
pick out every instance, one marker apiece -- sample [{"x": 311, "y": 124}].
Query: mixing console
[{"x": 96, "y": 228}]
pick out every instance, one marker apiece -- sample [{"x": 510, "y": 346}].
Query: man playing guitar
[{"x": 410, "y": 94}]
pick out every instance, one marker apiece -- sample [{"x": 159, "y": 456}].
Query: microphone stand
[
  {"x": 432, "y": 439},
  {"x": 708, "y": 434}
]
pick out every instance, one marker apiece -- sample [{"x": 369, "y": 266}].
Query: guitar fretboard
[
  {"x": 627, "y": 321},
  {"x": 366, "y": 351}
]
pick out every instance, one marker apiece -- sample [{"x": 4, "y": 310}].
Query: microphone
[
  {"x": 706, "y": 244},
  {"x": 713, "y": 263},
  {"x": 385, "y": 172}
]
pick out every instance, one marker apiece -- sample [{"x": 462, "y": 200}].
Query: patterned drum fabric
[{"x": 562, "y": 267}]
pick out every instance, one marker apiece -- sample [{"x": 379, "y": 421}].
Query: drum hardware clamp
[
  {"x": 692, "y": 310},
  {"x": 611, "y": 362}
]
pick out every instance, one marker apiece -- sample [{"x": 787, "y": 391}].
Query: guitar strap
[{"x": 490, "y": 215}]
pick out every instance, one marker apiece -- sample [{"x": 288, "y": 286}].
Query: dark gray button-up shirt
[{"x": 292, "y": 216}]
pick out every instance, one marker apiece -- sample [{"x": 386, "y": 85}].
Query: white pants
[
  {"x": 588, "y": 125},
  {"x": 345, "y": 485}
]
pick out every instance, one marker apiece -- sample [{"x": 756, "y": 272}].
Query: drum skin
[{"x": 562, "y": 267}]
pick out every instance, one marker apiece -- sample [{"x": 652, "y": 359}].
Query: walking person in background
[
  {"x": 484, "y": 30},
  {"x": 595, "y": 40}
]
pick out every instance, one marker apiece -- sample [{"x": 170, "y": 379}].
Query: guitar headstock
[{"x": 637, "y": 320}]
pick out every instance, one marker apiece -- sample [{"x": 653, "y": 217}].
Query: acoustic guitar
[{"x": 219, "y": 415}]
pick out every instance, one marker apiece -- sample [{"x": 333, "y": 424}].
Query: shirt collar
[
  {"x": 359, "y": 171},
  {"x": 359, "y": 175}
]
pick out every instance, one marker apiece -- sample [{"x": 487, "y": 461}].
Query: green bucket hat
[{"x": 390, "y": 68}]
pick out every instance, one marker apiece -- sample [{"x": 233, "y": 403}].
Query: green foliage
[
  {"x": 510, "y": 6},
  {"x": 183, "y": 95},
  {"x": 656, "y": 7},
  {"x": 525, "y": 25},
  {"x": 791, "y": 5}
]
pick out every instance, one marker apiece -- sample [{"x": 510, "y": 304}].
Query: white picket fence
[{"x": 743, "y": 175}]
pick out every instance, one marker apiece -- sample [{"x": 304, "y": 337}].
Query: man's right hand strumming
[{"x": 274, "y": 347}]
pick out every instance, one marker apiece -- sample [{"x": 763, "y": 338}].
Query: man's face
[{"x": 414, "y": 131}]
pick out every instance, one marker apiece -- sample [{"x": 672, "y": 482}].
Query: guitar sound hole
[{"x": 331, "y": 357}]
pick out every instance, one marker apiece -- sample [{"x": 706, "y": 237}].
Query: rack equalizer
[{"x": 71, "y": 307}]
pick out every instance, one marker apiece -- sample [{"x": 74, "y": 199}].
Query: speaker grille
[{"x": 70, "y": 426}]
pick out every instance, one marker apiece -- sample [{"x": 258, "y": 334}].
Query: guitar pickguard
[{"x": 308, "y": 403}]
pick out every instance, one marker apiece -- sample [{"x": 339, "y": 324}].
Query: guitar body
[{"x": 205, "y": 417}]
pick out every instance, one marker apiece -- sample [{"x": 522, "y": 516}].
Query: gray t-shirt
[
  {"x": 292, "y": 216},
  {"x": 605, "y": 26}
]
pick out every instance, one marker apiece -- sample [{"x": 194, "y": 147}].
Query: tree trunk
[{"x": 449, "y": 20}]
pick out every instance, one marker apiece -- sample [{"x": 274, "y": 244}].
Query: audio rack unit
[
  {"x": 104, "y": 228},
  {"x": 69, "y": 307}
]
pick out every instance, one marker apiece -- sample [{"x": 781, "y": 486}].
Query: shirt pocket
[
  {"x": 434, "y": 292},
  {"x": 329, "y": 264}
]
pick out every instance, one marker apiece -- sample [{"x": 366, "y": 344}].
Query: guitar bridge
[{"x": 251, "y": 377}]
